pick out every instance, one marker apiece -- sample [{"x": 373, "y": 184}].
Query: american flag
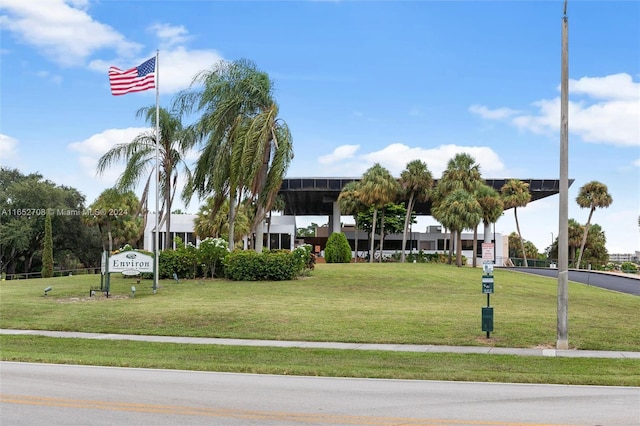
[{"x": 135, "y": 79}]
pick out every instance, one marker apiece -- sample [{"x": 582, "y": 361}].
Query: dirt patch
[{"x": 98, "y": 297}]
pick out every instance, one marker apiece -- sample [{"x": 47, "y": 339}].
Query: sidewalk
[{"x": 333, "y": 345}]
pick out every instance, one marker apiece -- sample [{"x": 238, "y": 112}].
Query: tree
[
  {"x": 114, "y": 214},
  {"x": 337, "y": 249},
  {"x": 515, "y": 193},
  {"x": 592, "y": 195},
  {"x": 378, "y": 188},
  {"x": 47, "y": 251},
  {"x": 575, "y": 232},
  {"x": 394, "y": 216},
  {"x": 515, "y": 247},
  {"x": 349, "y": 201},
  {"x": 309, "y": 231},
  {"x": 458, "y": 211},
  {"x": 492, "y": 208},
  {"x": 212, "y": 221},
  {"x": 140, "y": 156},
  {"x": 463, "y": 173},
  {"x": 415, "y": 182},
  {"x": 247, "y": 147}
]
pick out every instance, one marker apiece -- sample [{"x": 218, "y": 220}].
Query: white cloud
[
  {"x": 636, "y": 162},
  {"x": 8, "y": 149},
  {"x": 170, "y": 35},
  {"x": 62, "y": 30},
  {"x": 343, "y": 161},
  {"x": 492, "y": 114},
  {"x": 614, "y": 118},
  {"x": 91, "y": 149},
  {"x": 616, "y": 86},
  {"x": 340, "y": 153}
]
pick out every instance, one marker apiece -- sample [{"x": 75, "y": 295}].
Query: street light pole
[{"x": 563, "y": 217}]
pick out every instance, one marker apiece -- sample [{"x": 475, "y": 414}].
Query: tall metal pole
[
  {"x": 156, "y": 275},
  {"x": 563, "y": 231}
]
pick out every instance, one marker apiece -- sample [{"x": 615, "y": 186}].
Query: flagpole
[{"x": 157, "y": 173}]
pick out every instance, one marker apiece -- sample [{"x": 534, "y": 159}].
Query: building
[
  {"x": 318, "y": 197},
  {"x": 624, "y": 257},
  {"x": 281, "y": 232}
]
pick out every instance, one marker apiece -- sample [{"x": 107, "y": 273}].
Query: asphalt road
[
  {"x": 609, "y": 281},
  {"x": 44, "y": 394}
]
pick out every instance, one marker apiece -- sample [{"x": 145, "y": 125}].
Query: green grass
[
  {"x": 323, "y": 362},
  {"x": 365, "y": 303}
]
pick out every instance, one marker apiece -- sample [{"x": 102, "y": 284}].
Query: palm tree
[
  {"x": 378, "y": 189},
  {"x": 212, "y": 220},
  {"x": 592, "y": 195},
  {"x": 140, "y": 155},
  {"x": 349, "y": 201},
  {"x": 515, "y": 193},
  {"x": 492, "y": 208},
  {"x": 574, "y": 237},
  {"x": 247, "y": 148},
  {"x": 459, "y": 211},
  {"x": 416, "y": 182},
  {"x": 462, "y": 172}
]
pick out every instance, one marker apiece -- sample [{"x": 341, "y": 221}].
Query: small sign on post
[
  {"x": 488, "y": 252},
  {"x": 487, "y": 288}
]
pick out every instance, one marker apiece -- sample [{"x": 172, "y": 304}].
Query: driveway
[{"x": 611, "y": 281}]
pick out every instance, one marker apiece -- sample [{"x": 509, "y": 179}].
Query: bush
[
  {"x": 303, "y": 259},
  {"x": 278, "y": 265},
  {"x": 179, "y": 262},
  {"x": 629, "y": 267},
  {"x": 212, "y": 251},
  {"x": 337, "y": 249}
]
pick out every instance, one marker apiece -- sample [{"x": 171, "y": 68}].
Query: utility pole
[{"x": 563, "y": 217}]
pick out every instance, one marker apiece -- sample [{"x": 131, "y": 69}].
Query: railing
[{"x": 56, "y": 273}]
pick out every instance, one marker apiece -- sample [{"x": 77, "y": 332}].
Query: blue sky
[{"x": 357, "y": 82}]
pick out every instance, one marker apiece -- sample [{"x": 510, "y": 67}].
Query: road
[
  {"x": 38, "y": 394},
  {"x": 613, "y": 282}
]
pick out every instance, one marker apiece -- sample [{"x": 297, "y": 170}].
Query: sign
[
  {"x": 130, "y": 261},
  {"x": 487, "y": 252},
  {"x": 487, "y": 284}
]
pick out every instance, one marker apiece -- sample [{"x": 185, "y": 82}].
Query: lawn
[{"x": 368, "y": 303}]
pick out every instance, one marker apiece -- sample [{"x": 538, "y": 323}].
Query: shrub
[
  {"x": 629, "y": 267},
  {"x": 303, "y": 259},
  {"x": 179, "y": 262},
  {"x": 337, "y": 249},
  {"x": 212, "y": 251},
  {"x": 277, "y": 265}
]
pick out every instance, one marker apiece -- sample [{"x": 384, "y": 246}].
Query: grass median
[{"x": 363, "y": 303}]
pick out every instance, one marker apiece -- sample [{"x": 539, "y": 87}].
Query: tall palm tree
[
  {"x": 459, "y": 211},
  {"x": 592, "y": 195},
  {"x": 139, "y": 156},
  {"x": 416, "y": 182},
  {"x": 247, "y": 147},
  {"x": 462, "y": 172},
  {"x": 515, "y": 193},
  {"x": 378, "y": 189},
  {"x": 349, "y": 201},
  {"x": 492, "y": 208}
]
